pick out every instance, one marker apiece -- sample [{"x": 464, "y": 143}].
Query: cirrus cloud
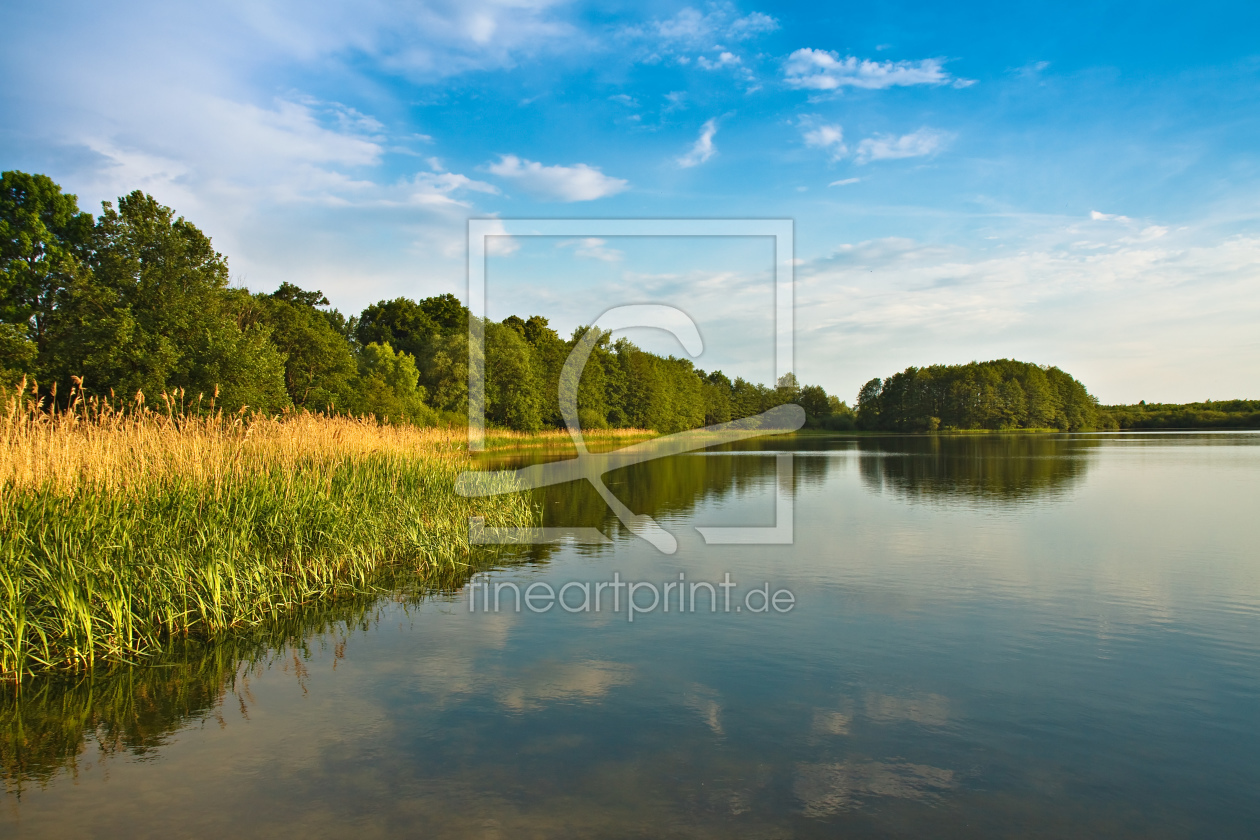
[{"x": 702, "y": 149}]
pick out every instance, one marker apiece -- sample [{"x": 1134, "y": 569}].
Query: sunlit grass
[
  {"x": 120, "y": 529},
  {"x": 596, "y": 440}
]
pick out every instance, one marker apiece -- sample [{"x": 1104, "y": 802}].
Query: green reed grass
[{"x": 228, "y": 526}]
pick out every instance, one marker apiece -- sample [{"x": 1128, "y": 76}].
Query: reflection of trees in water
[
  {"x": 63, "y": 723},
  {"x": 664, "y": 489},
  {"x": 995, "y": 468}
]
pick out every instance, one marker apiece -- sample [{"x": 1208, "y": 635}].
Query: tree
[
  {"x": 389, "y": 386},
  {"x": 319, "y": 367},
  {"x": 410, "y": 326},
  {"x": 400, "y": 322},
  {"x": 17, "y": 355},
  {"x": 998, "y": 394},
  {"x": 815, "y": 401},
  {"x": 513, "y": 397},
  {"x": 868, "y": 404},
  {"x": 155, "y": 314},
  {"x": 44, "y": 241}
]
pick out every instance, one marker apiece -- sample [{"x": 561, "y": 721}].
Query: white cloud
[
  {"x": 690, "y": 34},
  {"x": 435, "y": 188},
  {"x": 725, "y": 59},
  {"x": 844, "y": 182},
  {"x": 579, "y": 182},
  {"x": 923, "y": 142},
  {"x": 829, "y": 138},
  {"x": 434, "y": 39},
  {"x": 594, "y": 249},
  {"x": 1107, "y": 217},
  {"x": 703, "y": 148},
  {"x": 825, "y": 70},
  {"x": 692, "y": 28},
  {"x": 750, "y": 26},
  {"x": 1169, "y": 318}
]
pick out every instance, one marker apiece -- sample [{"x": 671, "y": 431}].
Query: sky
[{"x": 1062, "y": 183}]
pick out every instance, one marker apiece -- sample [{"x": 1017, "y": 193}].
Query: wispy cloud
[
  {"x": 437, "y": 187},
  {"x": 579, "y": 182},
  {"x": 844, "y": 182},
  {"x": 825, "y": 70},
  {"x": 593, "y": 249},
  {"x": 925, "y": 141},
  {"x": 703, "y": 148},
  {"x": 708, "y": 40},
  {"x": 1107, "y": 217},
  {"x": 695, "y": 29},
  {"x": 828, "y": 137}
]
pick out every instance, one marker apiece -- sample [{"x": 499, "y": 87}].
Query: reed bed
[
  {"x": 120, "y": 529},
  {"x": 596, "y": 440}
]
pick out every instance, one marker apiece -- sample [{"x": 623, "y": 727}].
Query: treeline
[
  {"x": 137, "y": 302},
  {"x": 1213, "y": 414},
  {"x": 1001, "y": 394}
]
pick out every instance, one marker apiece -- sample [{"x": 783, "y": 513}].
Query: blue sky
[{"x": 1073, "y": 184}]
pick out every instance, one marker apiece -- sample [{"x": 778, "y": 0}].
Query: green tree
[
  {"x": 815, "y": 401},
  {"x": 44, "y": 241},
  {"x": 389, "y": 388},
  {"x": 319, "y": 366},
  {"x": 17, "y": 356},
  {"x": 410, "y": 326},
  {"x": 155, "y": 314},
  {"x": 513, "y": 396},
  {"x": 869, "y": 404}
]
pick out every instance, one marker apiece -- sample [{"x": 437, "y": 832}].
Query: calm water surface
[{"x": 992, "y": 636}]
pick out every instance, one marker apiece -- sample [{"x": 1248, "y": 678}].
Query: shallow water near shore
[{"x": 1033, "y": 635}]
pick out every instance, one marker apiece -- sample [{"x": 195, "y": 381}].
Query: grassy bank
[
  {"x": 937, "y": 432},
  {"x": 1219, "y": 414},
  {"x": 121, "y": 530},
  {"x": 596, "y": 440}
]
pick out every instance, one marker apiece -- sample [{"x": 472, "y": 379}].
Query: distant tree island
[{"x": 137, "y": 301}]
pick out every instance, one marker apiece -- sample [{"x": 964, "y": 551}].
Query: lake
[{"x": 981, "y": 636}]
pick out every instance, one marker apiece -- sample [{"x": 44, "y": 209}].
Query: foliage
[
  {"x": 319, "y": 366},
  {"x": 1212, "y": 414},
  {"x": 43, "y": 242},
  {"x": 388, "y": 387},
  {"x": 155, "y": 314},
  {"x": 1001, "y": 394}
]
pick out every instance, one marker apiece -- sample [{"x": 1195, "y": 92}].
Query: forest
[
  {"x": 137, "y": 303},
  {"x": 1000, "y": 395}
]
